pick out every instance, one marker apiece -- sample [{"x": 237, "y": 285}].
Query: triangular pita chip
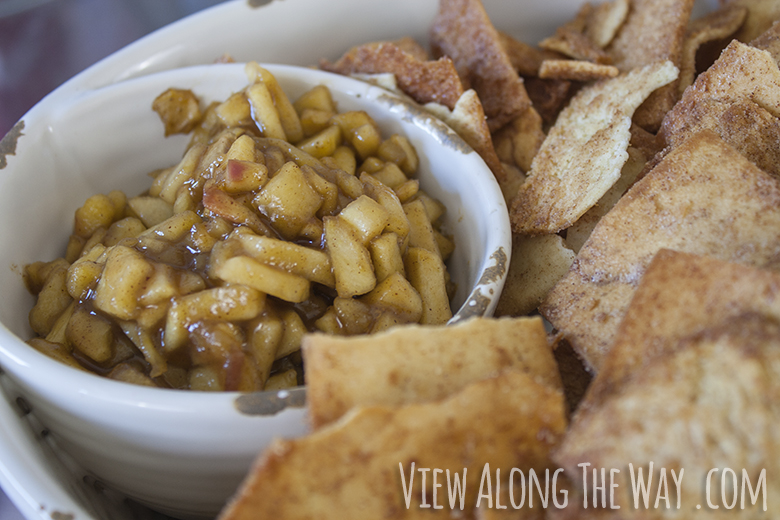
[
  {"x": 682, "y": 294},
  {"x": 350, "y": 469},
  {"x": 742, "y": 72},
  {"x": 738, "y": 97},
  {"x": 743, "y": 124},
  {"x": 714, "y": 26},
  {"x": 463, "y": 31},
  {"x": 536, "y": 265},
  {"x": 761, "y": 15},
  {"x": 577, "y": 234},
  {"x": 526, "y": 59},
  {"x": 467, "y": 118},
  {"x": 709, "y": 403},
  {"x": 769, "y": 41},
  {"x": 583, "y": 153},
  {"x": 570, "y": 42},
  {"x": 654, "y": 31},
  {"x": 592, "y": 28},
  {"x": 414, "y": 364},
  {"x": 604, "y": 20},
  {"x": 424, "y": 81},
  {"x": 521, "y": 139},
  {"x": 704, "y": 198}
]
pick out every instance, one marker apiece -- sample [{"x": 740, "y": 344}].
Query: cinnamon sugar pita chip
[
  {"x": 592, "y": 29},
  {"x": 574, "y": 44},
  {"x": 584, "y": 151},
  {"x": 760, "y": 17},
  {"x": 704, "y": 197},
  {"x": 653, "y": 31},
  {"x": 604, "y": 20},
  {"x": 549, "y": 96},
  {"x": 649, "y": 144},
  {"x": 738, "y": 97},
  {"x": 521, "y": 139},
  {"x": 714, "y": 26},
  {"x": 708, "y": 403},
  {"x": 424, "y": 81},
  {"x": 536, "y": 265},
  {"x": 579, "y": 232},
  {"x": 526, "y": 59},
  {"x": 743, "y": 124},
  {"x": 410, "y": 46},
  {"x": 415, "y": 364},
  {"x": 769, "y": 41},
  {"x": 352, "y": 468},
  {"x": 682, "y": 294},
  {"x": 741, "y": 72},
  {"x": 468, "y": 120},
  {"x": 576, "y": 70},
  {"x": 514, "y": 179},
  {"x": 463, "y": 31}
]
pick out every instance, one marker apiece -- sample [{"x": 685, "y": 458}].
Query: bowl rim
[{"x": 22, "y": 362}]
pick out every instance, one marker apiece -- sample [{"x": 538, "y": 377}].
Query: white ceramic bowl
[{"x": 185, "y": 452}]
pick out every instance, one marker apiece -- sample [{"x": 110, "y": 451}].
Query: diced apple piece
[
  {"x": 354, "y": 315},
  {"x": 386, "y": 256},
  {"x": 288, "y": 116},
  {"x": 235, "y": 110},
  {"x": 397, "y": 295},
  {"x": 294, "y": 329},
  {"x": 179, "y": 110},
  {"x": 312, "y": 264},
  {"x": 244, "y": 176},
  {"x": 344, "y": 158},
  {"x": 288, "y": 200},
  {"x": 129, "y": 227},
  {"x": 231, "y": 303},
  {"x": 52, "y": 301},
  {"x": 124, "y": 277},
  {"x": 92, "y": 335},
  {"x": 427, "y": 275},
  {"x": 282, "y": 380},
  {"x": 397, "y": 223},
  {"x": 85, "y": 272},
  {"x": 391, "y": 175},
  {"x": 352, "y": 266},
  {"x": 314, "y": 121},
  {"x": 151, "y": 210},
  {"x": 183, "y": 172},
  {"x": 421, "y": 232},
  {"x": 247, "y": 271},
  {"x": 323, "y": 143},
  {"x": 327, "y": 190},
  {"x": 264, "y": 338},
  {"x": 317, "y": 98},
  {"x": 173, "y": 228},
  {"x": 367, "y": 216},
  {"x": 222, "y": 204},
  {"x": 264, "y": 112},
  {"x": 98, "y": 211},
  {"x": 400, "y": 151}
]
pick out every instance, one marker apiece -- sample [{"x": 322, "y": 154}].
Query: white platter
[{"x": 39, "y": 478}]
